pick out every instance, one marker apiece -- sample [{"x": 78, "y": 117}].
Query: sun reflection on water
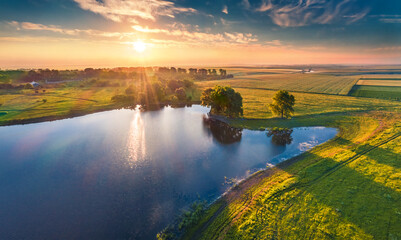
[{"x": 136, "y": 141}]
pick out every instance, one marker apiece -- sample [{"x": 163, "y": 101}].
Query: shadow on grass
[{"x": 329, "y": 200}]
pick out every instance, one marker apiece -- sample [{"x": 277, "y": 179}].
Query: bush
[{"x": 44, "y": 100}]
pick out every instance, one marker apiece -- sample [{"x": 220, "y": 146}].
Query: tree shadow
[
  {"x": 329, "y": 200},
  {"x": 222, "y": 131}
]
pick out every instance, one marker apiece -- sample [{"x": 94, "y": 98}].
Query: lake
[{"x": 125, "y": 173}]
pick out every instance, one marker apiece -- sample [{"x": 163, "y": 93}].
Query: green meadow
[{"x": 347, "y": 188}]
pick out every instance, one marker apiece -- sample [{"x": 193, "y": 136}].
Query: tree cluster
[
  {"x": 223, "y": 101},
  {"x": 197, "y": 74}
]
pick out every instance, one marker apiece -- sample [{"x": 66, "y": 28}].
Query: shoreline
[{"x": 73, "y": 114}]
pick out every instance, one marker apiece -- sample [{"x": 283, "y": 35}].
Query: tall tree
[{"x": 283, "y": 104}]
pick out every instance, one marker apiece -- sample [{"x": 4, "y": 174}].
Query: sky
[{"x": 103, "y": 33}]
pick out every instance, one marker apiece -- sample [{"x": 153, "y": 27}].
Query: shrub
[{"x": 44, "y": 100}]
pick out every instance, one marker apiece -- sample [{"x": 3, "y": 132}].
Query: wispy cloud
[
  {"x": 29, "y": 26},
  {"x": 390, "y": 20},
  {"x": 41, "y": 27},
  {"x": 119, "y": 10},
  {"x": 185, "y": 34},
  {"x": 225, "y": 9},
  {"x": 181, "y": 31},
  {"x": 306, "y": 12}
]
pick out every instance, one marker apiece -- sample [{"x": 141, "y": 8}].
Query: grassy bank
[
  {"x": 20, "y": 106},
  {"x": 348, "y": 188}
]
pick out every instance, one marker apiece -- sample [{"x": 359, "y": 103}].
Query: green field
[
  {"x": 347, "y": 188},
  {"x": 383, "y": 92},
  {"x": 289, "y": 79}
]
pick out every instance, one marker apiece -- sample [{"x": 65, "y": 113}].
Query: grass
[
  {"x": 383, "y": 92},
  {"x": 26, "y": 105},
  {"x": 68, "y": 100},
  {"x": 380, "y": 82},
  {"x": 295, "y": 81},
  {"x": 255, "y": 103},
  {"x": 348, "y": 188}
]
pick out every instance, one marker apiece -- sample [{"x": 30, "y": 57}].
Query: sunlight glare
[{"x": 139, "y": 46}]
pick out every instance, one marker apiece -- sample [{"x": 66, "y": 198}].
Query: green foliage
[
  {"x": 383, "y": 92},
  {"x": 283, "y": 104},
  {"x": 44, "y": 100},
  {"x": 223, "y": 100},
  {"x": 280, "y": 136},
  {"x": 186, "y": 220},
  {"x": 166, "y": 234},
  {"x": 180, "y": 94},
  {"x": 192, "y": 216}
]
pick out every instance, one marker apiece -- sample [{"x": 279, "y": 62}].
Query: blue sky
[{"x": 367, "y": 31}]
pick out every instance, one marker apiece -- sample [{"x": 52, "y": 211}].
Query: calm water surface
[{"x": 123, "y": 174}]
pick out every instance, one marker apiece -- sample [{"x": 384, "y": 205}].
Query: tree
[
  {"x": 283, "y": 104},
  {"x": 180, "y": 94},
  {"x": 223, "y": 100}
]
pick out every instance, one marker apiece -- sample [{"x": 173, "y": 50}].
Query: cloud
[
  {"x": 139, "y": 28},
  {"x": 390, "y": 20},
  {"x": 225, "y": 9},
  {"x": 41, "y": 27},
  {"x": 65, "y": 31},
  {"x": 182, "y": 32},
  {"x": 119, "y": 10},
  {"x": 241, "y": 38},
  {"x": 246, "y": 4},
  {"x": 266, "y": 5},
  {"x": 296, "y": 13}
]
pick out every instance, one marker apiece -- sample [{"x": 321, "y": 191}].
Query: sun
[{"x": 139, "y": 46}]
